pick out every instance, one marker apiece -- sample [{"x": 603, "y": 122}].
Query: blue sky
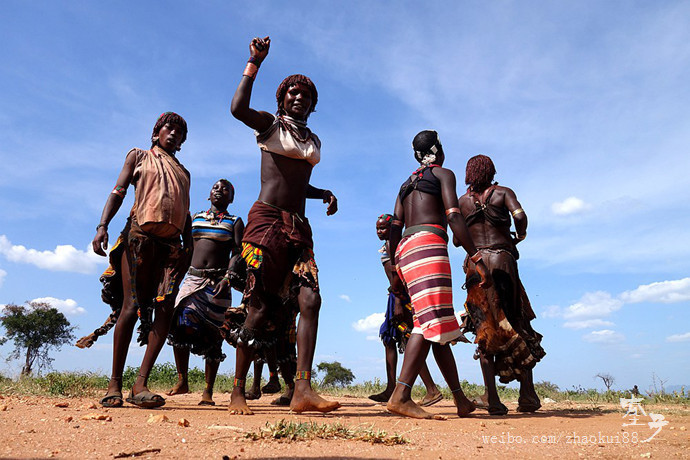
[{"x": 581, "y": 105}]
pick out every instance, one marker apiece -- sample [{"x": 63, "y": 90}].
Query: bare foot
[
  {"x": 307, "y": 400},
  {"x": 180, "y": 388},
  {"x": 382, "y": 397},
  {"x": 253, "y": 393},
  {"x": 207, "y": 398},
  {"x": 285, "y": 398},
  {"x": 464, "y": 405},
  {"x": 273, "y": 386},
  {"x": 410, "y": 409},
  {"x": 431, "y": 398},
  {"x": 238, "y": 404}
]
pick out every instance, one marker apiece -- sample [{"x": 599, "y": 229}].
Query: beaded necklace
[{"x": 216, "y": 218}]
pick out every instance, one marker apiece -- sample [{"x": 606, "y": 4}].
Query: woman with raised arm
[
  {"x": 149, "y": 258},
  {"x": 277, "y": 245},
  {"x": 426, "y": 205},
  {"x": 204, "y": 300}
]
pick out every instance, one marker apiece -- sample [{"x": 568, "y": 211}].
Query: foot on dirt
[
  {"x": 281, "y": 400},
  {"x": 145, "y": 399},
  {"x": 528, "y": 407},
  {"x": 464, "y": 405},
  {"x": 498, "y": 409},
  {"x": 272, "y": 387},
  {"x": 207, "y": 399},
  {"x": 238, "y": 405},
  {"x": 308, "y": 400},
  {"x": 480, "y": 402},
  {"x": 253, "y": 393},
  {"x": 382, "y": 397},
  {"x": 430, "y": 399},
  {"x": 529, "y": 404},
  {"x": 112, "y": 399},
  {"x": 411, "y": 409},
  {"x": 180, "y": 388}
]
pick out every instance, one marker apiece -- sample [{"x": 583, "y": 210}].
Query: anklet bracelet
[
  {"x": 303, "y": 375},
  {"x": 405, "y": 384},
  {"x": 239, "y": 382},
  {"x": 455, "y": 391}
]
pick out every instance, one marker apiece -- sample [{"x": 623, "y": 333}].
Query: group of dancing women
[{"x": 270, "y": 259}]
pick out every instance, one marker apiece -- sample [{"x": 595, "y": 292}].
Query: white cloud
[
  {"x": 604, "y": 336},
  {"x": 64, "y": 258},
  {"x": 679, "y": 337},
  {"x": 68, "y": 307},
  {"x": 3, "y": 274},
  {"x": 662, "y": 292},
  {"x": 571, "y": 205},
  {"x": 345, "y": 297},
  {"x": 593, "y": 305},
  {"x": 370, "y": 324},
  {"x": 587, "y": 324}
]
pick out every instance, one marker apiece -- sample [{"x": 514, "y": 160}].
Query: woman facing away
[
  {"x": 205, "y": 299},
  {"x": 149, "y": 258},
  {"x": 427, "y": 203}
]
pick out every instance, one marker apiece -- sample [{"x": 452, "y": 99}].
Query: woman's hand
[
  {"x": 100, "y": 241},
  {"x": 332, "y": 201},
  {"x": 221, "y": 288},
  {"x": 258, "y": 49}
]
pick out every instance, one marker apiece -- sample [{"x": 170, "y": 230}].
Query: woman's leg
[
  {"x": 255, "y": 391},
  {"x": 446, "y": 363},
  {"x": 182, "y": 364},
  {"x": 400, "y": 401},
  {"x": 433, "y": 395},
  {"x": 391, "y": 369},
  {"x": 210, "y": 373}
]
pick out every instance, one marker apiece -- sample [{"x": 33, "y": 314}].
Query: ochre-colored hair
[
  {"x": 292, "y": 80},
  {"x": 480, "y": 172},
  {"x": 169, "y": 117}
]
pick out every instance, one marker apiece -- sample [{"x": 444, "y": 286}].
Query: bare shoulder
[{"x": 443, "y": 173}]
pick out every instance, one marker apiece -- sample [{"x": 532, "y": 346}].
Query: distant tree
[
  {"x": 35, "y": 330},
  {"x": 336, "y": 374},
  {"x": 608, "y": 380}
]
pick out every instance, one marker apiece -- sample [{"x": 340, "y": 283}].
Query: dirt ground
[{"x": 39, "y": 427}]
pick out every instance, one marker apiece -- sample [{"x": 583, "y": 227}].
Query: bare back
[{"x": 483, "y": 233}]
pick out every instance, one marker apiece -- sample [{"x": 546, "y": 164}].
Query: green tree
[
  {"x": 35, "y": 330},
  {"x": 336, "y": 374}
]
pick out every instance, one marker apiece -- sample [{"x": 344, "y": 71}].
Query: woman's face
[
  {"x": 221, "y": 195},
  {"x": 297, "y": 101},
  {"x": 170, "y": 137},
  {"x": 383, "y": 229}
]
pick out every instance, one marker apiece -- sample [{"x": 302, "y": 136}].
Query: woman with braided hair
[
  {"x": 426, "y": 205},
  {"x": 396, "y": 327},
  {"x": 149, "y": 258},
  {"x": 509, "y": 349}
]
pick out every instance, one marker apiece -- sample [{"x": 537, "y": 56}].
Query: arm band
[
  {"x": 450, "y": 211},
  {"x": 397, "y": 223},
  {"x": 517, "y": 211},
  {"x": 477, "y": 257},
  {"x": 251, "y": 70},
  {"x": 119, "y": 191}
]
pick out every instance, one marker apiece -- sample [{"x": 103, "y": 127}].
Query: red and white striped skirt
[{"x": 424, "y": 266}]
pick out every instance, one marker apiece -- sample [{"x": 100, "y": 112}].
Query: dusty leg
[
  {"x": 446, "y": 363},
  {"x": 287, "y": 370},
  {"x": 495, "y": 406},
  {"x": 529, "y": 400},
  {"x": 210, "y": 373},
  {"x": 433, "y": 395},
  {"x": 255, "y": 391},
  {"x": 391, "y": 368},
  {"x": 400, "y": 401},
  {"x": 182, "y": 364},
  {"x": 305, "y": 398},
  {"x": 156, "y": 340},
  {"x": 124, "y": 329},
  {"x": 256, "y": 318},
  {"x": 273, "y": 385}
]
